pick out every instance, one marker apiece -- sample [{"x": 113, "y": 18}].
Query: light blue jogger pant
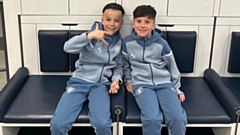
[
  {"x": 156, "y": 102},
  {"x": 71, "y": 103}
]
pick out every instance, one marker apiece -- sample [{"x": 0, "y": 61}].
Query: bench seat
[
  {"x": 201, "y": 106},
  {"x": 38, "y": 99},
  {"x": 35, "y": 98}
]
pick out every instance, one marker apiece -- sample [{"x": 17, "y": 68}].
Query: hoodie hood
[
  {"x": 145, "y": 41},
  {"x": 111, "y": 39}
]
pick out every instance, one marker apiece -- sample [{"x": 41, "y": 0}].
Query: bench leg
[
  {"x": 224, "y": 130},
  {"x": 1, "y": 130},
  {"x": 114, "y": 128},
  {"x": 120, "y": 128},
  {"x": 9, "y": 130},
  {"x": 236, "y": 128},
  {"x": 117, "y": 128}
]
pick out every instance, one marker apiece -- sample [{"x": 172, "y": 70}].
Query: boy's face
[
  {"x": 143, "y": 26},
  {"x": 112, "y": 20}
]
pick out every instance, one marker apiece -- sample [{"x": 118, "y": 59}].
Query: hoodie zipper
[
  {"x": 143, "y": 54},
  {"x": 151, "y": 73},
  {"x": 105, "y": 63},
  {"x": 148, "y": 63},
  {"x": 143, "y": 51}
]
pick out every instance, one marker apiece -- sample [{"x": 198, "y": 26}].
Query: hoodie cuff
[
  {"x": 179, "y": 91},
  {"x": 126, "y": 82},
  {"x": 117, "y": 77}
]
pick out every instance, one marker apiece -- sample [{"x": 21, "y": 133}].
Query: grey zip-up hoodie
[
  {"x": 149, "y": 61},
  {"x": 97, "y": 61}
]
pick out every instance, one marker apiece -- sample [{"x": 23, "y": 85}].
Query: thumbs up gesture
[{"x": 98, "y": 34}]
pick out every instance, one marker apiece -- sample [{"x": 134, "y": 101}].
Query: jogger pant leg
[
  {"x": 174, "y": 114},
  {"x": 151, "y": 116},
  {"x": 69, "y": 107},
  {"x": 99, "y": 109}
]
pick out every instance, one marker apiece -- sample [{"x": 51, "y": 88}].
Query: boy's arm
[
  {"x": 126, "y": 67},
  {"x": 173, "y": 69},
  {"x": 118, "y": 70},
  {"x": 76, "y": 43}
]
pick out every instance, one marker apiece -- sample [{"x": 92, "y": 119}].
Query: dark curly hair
[{"x": 145, "y": 10}]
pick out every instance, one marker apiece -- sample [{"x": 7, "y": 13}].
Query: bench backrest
[
  {"x": 54, "y": 59},
  {"x": 234, "y": 57},
  {"x": 52, "y": 56}
]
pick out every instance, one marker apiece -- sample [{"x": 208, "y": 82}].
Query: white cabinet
[
  {"x": 159, "y": 5},
  {"x": 45, "y": 7},
  {"x": 63, "y": 7},
  {"x": 190, "y": 7},
  {"x": 230, "y": 8},
  {"x": 89, "y": 7}
]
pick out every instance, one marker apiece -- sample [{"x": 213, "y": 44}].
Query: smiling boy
[
  {"x": 97, "y": 75},
  {"x": 152, "y": 76}
]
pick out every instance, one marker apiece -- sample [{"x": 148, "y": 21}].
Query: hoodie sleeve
[
  {"x": 168, "y": 57},
  {"x": 76, "y": 43},
  {"x": 126, "y": 66},
  {"x": 118, "y": 70}
]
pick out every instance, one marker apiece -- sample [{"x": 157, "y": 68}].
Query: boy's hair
[
  {"x": 114, "y": 6},
  {"x": 145, "y": 10}
]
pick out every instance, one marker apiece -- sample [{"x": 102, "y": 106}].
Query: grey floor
[{"x": 127, "y": 131}]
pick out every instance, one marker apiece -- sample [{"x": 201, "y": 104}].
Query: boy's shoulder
[
  {"x": 127, "y": 39},
  {"x": 161, "y": 41}
]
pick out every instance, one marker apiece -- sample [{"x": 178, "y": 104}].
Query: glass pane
[
  {"x": 2, "y": 59},
  {"x": 3, "y": 80}
]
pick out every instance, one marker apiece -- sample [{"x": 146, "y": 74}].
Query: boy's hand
[
  {"x": 98, "y": 34},
  {"x": 114, "y": 87},
  {"x": 181, "y": 97},
  {"x": 129, "y": 88}
]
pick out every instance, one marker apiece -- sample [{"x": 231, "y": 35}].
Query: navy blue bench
[
  {"x": 228, "y": 88},
  {"x": 32, "y": 99},
  {"x": 201, "y": 105}
]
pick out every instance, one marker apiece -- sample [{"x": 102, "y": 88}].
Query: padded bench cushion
[
  {"x": 234, "y": 57},
  {"x": 9, "y": 91},
  {"x": 183, "y": 44},
  {"x": 37, "y": 100},
  {"x": 201, "y": 105},
  {"x": 233, "y": 83},
  {"x": 52, "y": 56}
]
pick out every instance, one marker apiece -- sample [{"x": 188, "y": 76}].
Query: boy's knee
[
  {"x": 153, "y": 120},
  {"x": 177, "y": 119},
  {"x": 102, "y": 125},
  {"x": 57, "y": 125}
]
